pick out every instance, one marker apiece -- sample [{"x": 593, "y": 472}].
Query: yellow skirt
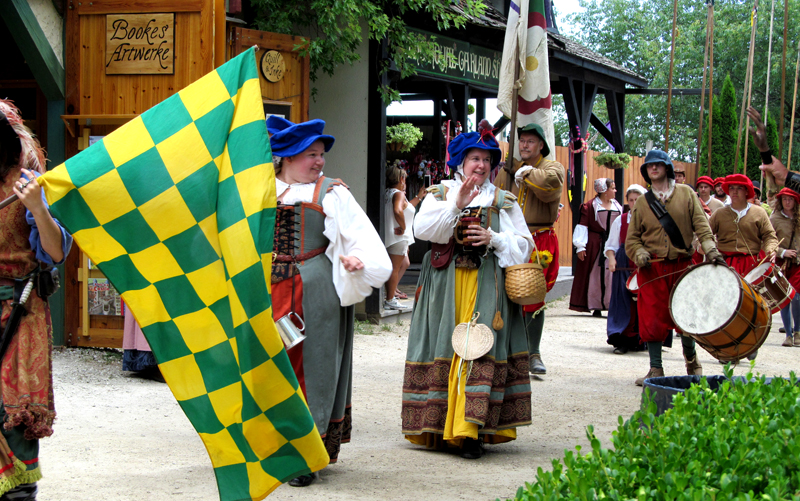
[{"x": 457, "y": 428}]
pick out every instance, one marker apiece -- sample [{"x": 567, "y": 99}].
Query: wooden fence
[{"x": 593, "y": 171}]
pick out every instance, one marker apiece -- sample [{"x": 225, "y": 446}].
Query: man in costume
[
  {"x": 31, "y": 240},
  {"x": 537, "y": 184},
  {"x": 744, "y": 233},
  {"x": 719, "y": 193},
  {"x": 661, "y": 255},
  {"x": 705, "y": 188}
]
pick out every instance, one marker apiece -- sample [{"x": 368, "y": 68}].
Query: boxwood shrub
[{"x": 738, "y": 443}]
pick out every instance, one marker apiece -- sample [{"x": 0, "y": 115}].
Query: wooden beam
[
  {"x": 90, "y": 7},
  {"x": 664, "y": 92},
  {"x": 34, "y": 46}
]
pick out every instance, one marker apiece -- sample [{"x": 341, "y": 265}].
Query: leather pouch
[{"x": 442, "y": 254}]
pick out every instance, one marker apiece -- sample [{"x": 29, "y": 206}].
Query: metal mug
[{"x": 288, "y": 331}]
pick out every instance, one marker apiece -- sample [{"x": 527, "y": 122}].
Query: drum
[
  {"x": 772, "y": 284},
  {"x": 633, "y": 284},
  {"x": 721, "y": 311}
]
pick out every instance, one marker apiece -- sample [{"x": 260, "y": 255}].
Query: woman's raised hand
[{"x": 467, "y": 192}]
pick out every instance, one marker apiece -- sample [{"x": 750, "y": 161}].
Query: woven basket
[{"x": 525, "y": 283}]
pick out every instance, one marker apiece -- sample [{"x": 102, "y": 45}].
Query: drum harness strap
[{"x": 666, "y": 221}]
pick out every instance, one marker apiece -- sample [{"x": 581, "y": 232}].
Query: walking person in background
[
  {"x": 399, "y": 215},
  {"x": 623, "y": 326},
  {"x": 537, "y": 183},
  {"x": 327, "y": 257},
  {"x": 591, "y": 287},
  {"x": 786, "y": 223},
  {"x": 31, "y": 240}
]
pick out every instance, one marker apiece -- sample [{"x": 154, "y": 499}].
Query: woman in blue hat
[
  {"x": 324, "y": 243},
  {"x": 443, "y": 404}
]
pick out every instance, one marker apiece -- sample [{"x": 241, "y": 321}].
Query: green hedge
[{"x": 739, "y": 443}]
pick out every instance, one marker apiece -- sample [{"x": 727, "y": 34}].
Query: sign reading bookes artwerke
[{"x": 140, "y": 44}]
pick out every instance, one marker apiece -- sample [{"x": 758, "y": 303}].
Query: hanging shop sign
[
  {"x": 461, "y": 61},
  {"x": 273, "y": 67},
  {"x": 140, "y": 44}
]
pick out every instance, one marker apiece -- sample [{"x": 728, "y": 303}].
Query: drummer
[
  {"x": 744, "y": 233},
  {"x": 661, "y": 256},
  {"x": 785, "y": 221}
]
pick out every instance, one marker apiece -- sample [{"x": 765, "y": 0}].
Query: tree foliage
[
  {"x": 724, "y": 129},
  {"x": 334, "y": 32},
  {"x": 638, "y": 35}
]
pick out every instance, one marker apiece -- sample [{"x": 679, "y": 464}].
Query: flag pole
[
  {"x": 509, "y": 167},
  {"x": 8, "y": 201}
]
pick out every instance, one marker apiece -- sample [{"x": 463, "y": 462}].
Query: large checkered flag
[{"x": 177, "y": 208}]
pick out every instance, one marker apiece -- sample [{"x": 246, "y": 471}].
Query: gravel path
[{"x": 120, "y": 437}]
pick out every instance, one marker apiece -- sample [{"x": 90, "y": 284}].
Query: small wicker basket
[{"x": 525, "y": 283}]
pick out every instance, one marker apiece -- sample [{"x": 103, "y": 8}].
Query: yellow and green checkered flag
[{"x": 177, "y": 208}]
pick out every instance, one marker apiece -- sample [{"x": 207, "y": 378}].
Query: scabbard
[{"x": 18, "y": 311}]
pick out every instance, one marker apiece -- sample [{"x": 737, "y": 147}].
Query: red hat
[
  {"x": 719, "y": 180},
  {"x": 704, "y": 179},
  {"x": 740, "y": 180},
  {"x": 786, "y": 192}
]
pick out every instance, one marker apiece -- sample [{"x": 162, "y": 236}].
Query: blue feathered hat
[
  {"x": 289, "y": 139},
  {"x": 462, "y": 143}
]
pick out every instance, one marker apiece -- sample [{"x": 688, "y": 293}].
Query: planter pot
[{"x": 663, "y": 389}]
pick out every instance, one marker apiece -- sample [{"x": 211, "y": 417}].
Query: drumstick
[{"x": 765, "y": 257}]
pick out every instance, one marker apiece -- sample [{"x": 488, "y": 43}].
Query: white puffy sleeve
[
  {"x": 435, "y": 220},
  {"x": 351, "y": 233},
  {"x": 513, "y": 244},
  {"x": 612, "y": 244},
  {"x": 580, "y": 237}
]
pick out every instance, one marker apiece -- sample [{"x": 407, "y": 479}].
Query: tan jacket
[
  {"x": 539, "y": 201},
  {"x": 751, "y": 234},
  {"x": 714, "y": 204},
  {"x": 646, "y": 232}
]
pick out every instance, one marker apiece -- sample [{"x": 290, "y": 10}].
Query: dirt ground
[{"x": 120, "y": 437}]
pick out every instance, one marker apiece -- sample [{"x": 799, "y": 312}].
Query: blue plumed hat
[
  {"x": 289, "y": 139},
  {"x": 462, "y": 143}
]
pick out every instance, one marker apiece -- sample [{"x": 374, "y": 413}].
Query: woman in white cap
[
  {"x": 324, "y": 243},
  {"x": 591, "y": 287},
  {"x": 622, "y": 327}
]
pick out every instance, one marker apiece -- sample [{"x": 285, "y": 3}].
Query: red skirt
[
  {"x": 546, "y": 240},
  {"x": 655, "y": 285},
  {"x": 282, "y": 305}
]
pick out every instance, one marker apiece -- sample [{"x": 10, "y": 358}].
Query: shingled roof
[{"x": 494, "y": 19}]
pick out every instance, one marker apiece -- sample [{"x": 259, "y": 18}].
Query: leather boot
[
  {"x": 788, "y": 341},
  {"x": 653, "y": 372},
  {"x": 536, "y": 365},
  {"x": 693, "y": 367},
  {"x": 797, "y": 338},
  {"x": 303, "y": 480}
]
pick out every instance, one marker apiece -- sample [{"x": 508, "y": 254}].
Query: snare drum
[
  {"x": 772, "y": 284},
  {"x": 721, "y": 311},
  {"x": 633, "y": 284}
]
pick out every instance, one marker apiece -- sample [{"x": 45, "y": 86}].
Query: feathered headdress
[{"x": 17, "y": 141}]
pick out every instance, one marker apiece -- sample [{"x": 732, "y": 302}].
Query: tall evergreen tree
[{"x": 724, "y": 129}]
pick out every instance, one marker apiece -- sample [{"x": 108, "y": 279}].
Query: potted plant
[
  {"x": 613, "y": 160},
  {"x": 402, "y": 137}
]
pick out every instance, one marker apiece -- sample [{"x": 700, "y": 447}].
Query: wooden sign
[
  {"x": 140, "y": 44},
  {"x": 273, "y": 66}
]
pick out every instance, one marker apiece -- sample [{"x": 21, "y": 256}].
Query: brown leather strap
[{"x": 285, "y": 258}]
